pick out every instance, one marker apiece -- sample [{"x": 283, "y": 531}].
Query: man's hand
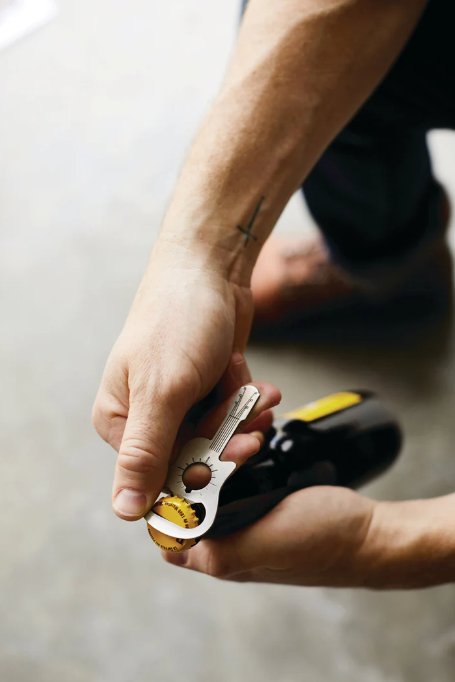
[
  {"x": 334, "y": 537},
  {"x": 312, "y": 537},
  {"x": 185, "y": 323}
]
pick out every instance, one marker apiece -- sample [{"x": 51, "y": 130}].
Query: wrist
[
  {"x": 410, "y": 544},
  {"x": 232, "y": 188},
  {"x": 209, "y": 250}
]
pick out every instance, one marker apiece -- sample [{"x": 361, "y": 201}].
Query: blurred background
[{"x": 97, "y": 108}]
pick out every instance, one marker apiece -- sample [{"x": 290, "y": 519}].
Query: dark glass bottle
[{"x": 345, "y": 439}]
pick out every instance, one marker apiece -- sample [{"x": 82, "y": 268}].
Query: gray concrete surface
[{"x": 95, "y": 113}]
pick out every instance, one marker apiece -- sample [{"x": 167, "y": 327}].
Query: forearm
[
  {"x": 299, "y": 71},
  {"x": 411, "y": 544}
]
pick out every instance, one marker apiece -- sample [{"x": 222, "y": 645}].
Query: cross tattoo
[{"x": 248, "y": 230}]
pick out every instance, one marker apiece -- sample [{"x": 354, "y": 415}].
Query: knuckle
[
  {"x": 108, "y": 421},
  {"x": 170, "y": 391},
  {"x": 99, "y": 421},
  {"x": 172, "y": 382},
  {"x": 136, "y": 456}
]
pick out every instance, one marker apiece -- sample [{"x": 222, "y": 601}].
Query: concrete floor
[{"x": 95, "y": 114}]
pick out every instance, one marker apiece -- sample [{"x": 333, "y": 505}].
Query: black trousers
[{"x": 373, "y": 193}]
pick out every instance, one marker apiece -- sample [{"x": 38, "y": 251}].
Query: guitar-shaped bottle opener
[{"x": 205, "y": 452}]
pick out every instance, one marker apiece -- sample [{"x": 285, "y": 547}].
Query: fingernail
[
  {"x": 131, "y": 503},
  {"x": 237, "y": 358}
]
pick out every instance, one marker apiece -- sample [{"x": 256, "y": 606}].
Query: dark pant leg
[{"x": 372, "y": 192}]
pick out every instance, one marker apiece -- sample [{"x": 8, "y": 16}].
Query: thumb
[{"x": 143, "y": 457}]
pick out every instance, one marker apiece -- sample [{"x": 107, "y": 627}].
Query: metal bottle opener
[{"x": 207, "y": 452}]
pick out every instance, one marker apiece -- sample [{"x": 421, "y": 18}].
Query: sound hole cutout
[{"x": 196, "y": 476}]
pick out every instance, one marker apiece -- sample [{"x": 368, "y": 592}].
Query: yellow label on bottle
[{"x": 322, "y": 408}]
